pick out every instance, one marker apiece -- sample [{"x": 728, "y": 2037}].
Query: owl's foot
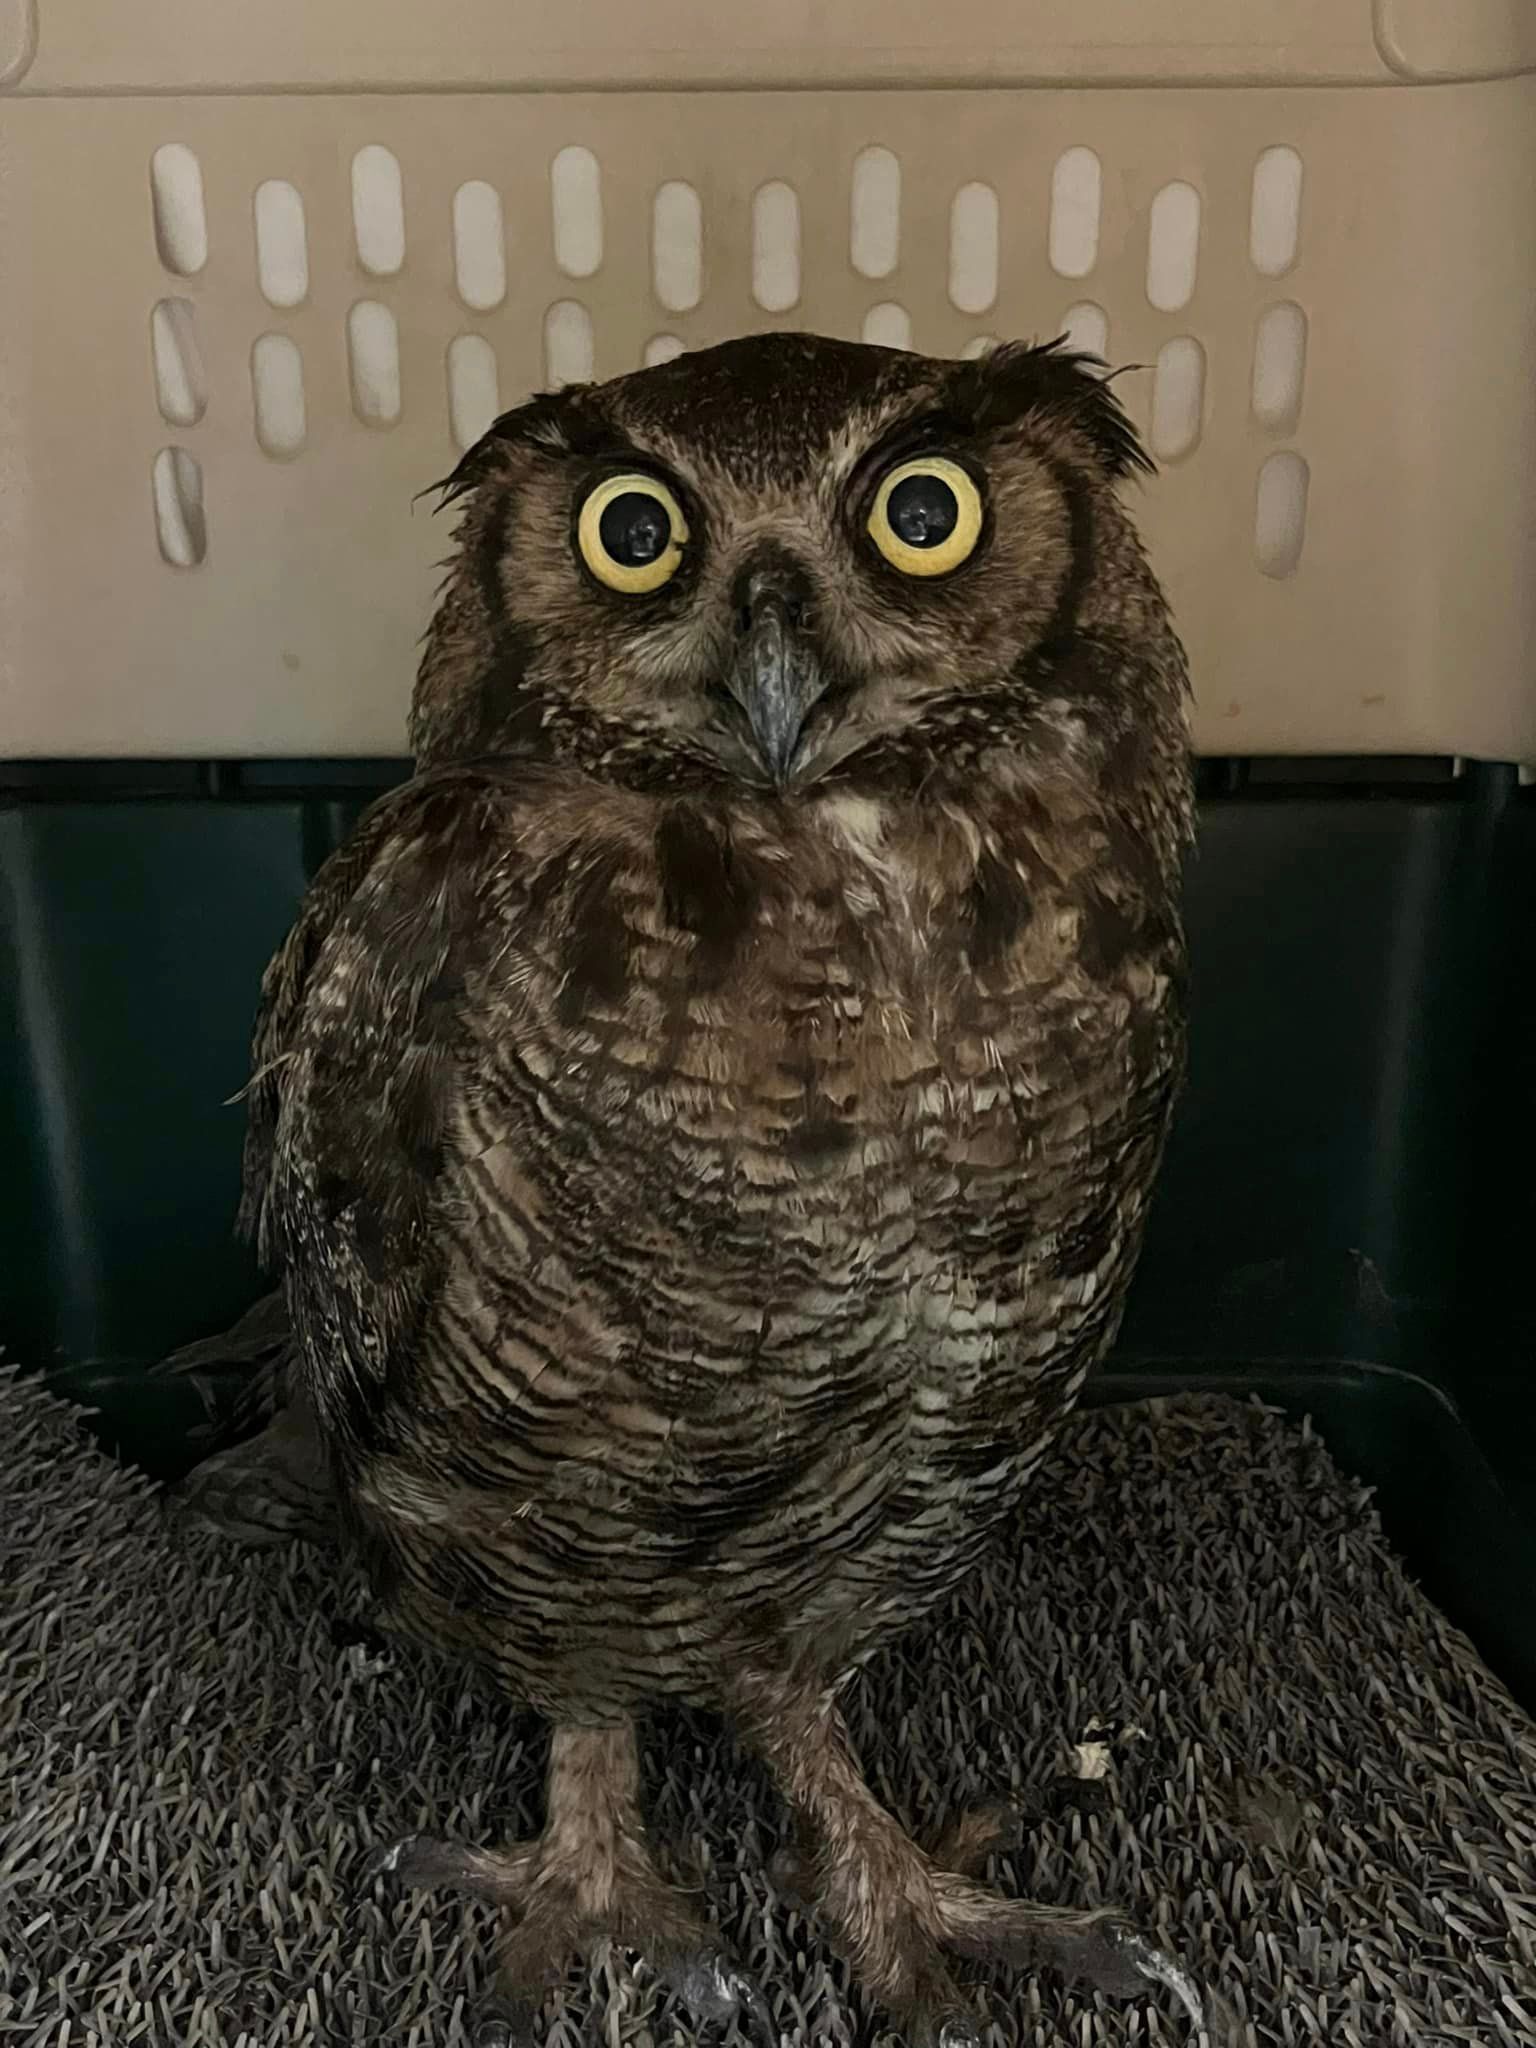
[
  {"x": 588, "y": 1880},
  {"x": 1101, "y": 1947},
  {"x": 896, "y": 1911}
]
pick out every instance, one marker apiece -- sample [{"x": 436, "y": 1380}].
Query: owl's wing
[
  {"x": 287, "y": 978},
  {"x": 357, "y": 1056},
  {"x": 383, "y": 900}
]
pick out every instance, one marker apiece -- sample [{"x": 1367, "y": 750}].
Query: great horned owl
[{"x": 705, "y": 1118}]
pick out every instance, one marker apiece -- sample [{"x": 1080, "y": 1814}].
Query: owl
[{"x": 704, "y": 1119}]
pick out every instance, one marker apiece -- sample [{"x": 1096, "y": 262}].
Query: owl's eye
[
  {"x": 631, "y": 532},
  {"x": 927, "y": 516}
]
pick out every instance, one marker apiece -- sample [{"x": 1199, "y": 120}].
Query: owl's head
[{"x": 789, "y": 559}]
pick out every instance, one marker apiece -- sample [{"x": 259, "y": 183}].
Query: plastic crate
[{"x": 1313, "y": 222}]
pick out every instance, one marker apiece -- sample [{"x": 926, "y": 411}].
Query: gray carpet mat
[{"x": 1317, "y": 1796}]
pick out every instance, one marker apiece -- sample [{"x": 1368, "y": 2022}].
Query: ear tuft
[
  {"x": 542, "y": 422},
  {"x": 1057, "y": 385}
]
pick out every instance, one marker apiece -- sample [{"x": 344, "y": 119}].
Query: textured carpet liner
[{"x": 1319, "y": 1798}]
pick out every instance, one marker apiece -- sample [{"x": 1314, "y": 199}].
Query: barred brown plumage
[{"x": 705, "y": 1118}]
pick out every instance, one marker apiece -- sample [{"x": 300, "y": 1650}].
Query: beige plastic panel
[
  {"x": 192, "y": 46},
  {"x": 116, "y": 46},
  {"x": 1409, "y": 623}
]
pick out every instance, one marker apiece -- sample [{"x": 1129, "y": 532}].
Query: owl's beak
[{"x": 776, "y": 674}]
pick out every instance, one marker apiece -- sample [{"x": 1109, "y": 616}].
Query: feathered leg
[
  {"x": 590, "y": 1877},
  {"x": 895, "y": 1910}
]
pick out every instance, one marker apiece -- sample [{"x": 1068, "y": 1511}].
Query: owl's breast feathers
[{"x": 677, "y": 1191}]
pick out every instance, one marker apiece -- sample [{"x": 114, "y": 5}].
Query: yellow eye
[
  {"x": 631, "y": 532},
  {"x": 926, "y": 518}
]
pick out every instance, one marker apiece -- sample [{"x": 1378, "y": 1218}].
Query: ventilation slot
[
  {"x": 1178, "y": 394},
  {"x": 1173, "y": 247},
  {"x": 181, "y": 219},
  {"x": 874, "y": 228},
  {"x": 479, "y": 246},
  {"x": 378, "y": 210},
  {"x": 568, "y": 352},
  {"x": 1280, "y": 515},
  {"x": 1076, "y": 193},
  {"x": 1274, "y": 226},
  {"x": 277, "y": 395},
  {"x": 282, "y": 253},
  {"x": 373, "y": 343},
  {"x": 576, "y": 197},
  {"x": 677, "y": 247},
  {"x": 973, "y": 249},
  {"x": 1086, "y": 327},
  {"x": 662, "y": 348},
  {"x": 179, "y": 522},
  {"x": 1279, "y": 367},
  {"x": 776, "y": 248},
  {"x": 473, "y": 388},
  {"x": 888, "y": 326},
  {"x": 181, "y": 384}
]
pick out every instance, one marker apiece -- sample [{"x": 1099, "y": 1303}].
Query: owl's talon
[
  {"x": 505, "y": 2023},
  {"x": 790, "y": 1877},
  {"x": 715, "y": 1988},
  {"x": 1104, "y": 1950},
  {"x": 384, "y": 1861},
  {"x": 419, "y": 1862},
  {"x": 1157, "y": 1968}
]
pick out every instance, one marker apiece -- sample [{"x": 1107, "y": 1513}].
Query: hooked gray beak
[{"x": 776, "y": 676}]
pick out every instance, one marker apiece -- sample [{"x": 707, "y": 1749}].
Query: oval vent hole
[
  {"x": 474, "y": 397},
  {"x": 677, "y": 247},
  {"x": 282, "y": 251},
  {"x": 1274, "y": 224},
  {"x": 180, "y": 524},
  {"x": 1280, "y": 514},
  {"x": 973, "y": 228},
  {"x": 181, "y": 383},
  {"x": 479, "y": 246},
  {"x": 378, "y": 210},
  {"x": 1173, "y": 247},
  {"x": 1076, "y": 193},
  {"x": 1279, "y": 367},
  {"x": 1178, "y": 395},
  {"x": 277, "y": 393},
  {"x": 776, "y": 247},
  {"x": 181, "y": 219},
  {"x": 373, "y": 342},
  {"x": 568, "y": 345},
  {"x": 874, "y": 228},
  {"x": 576, "y": 197}
]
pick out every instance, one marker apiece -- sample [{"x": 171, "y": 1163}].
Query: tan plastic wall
[{"x": 1407, "y": 624}]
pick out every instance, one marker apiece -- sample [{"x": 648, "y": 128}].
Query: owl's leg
[
  {"x": 589, "y": 1878},
  {"x": 895, "y": 1910}
]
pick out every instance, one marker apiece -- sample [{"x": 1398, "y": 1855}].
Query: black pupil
[
  {"x": 635, "y": 528},
  {"x": 922, "y": 510}
]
